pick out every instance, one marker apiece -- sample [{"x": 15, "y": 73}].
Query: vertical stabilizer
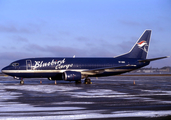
[{"x": 140, "y": 49}]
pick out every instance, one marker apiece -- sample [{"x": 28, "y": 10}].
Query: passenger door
[{"x": 28, "y": 65}]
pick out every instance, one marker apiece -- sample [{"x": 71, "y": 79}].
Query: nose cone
[{"x": 4, "y": 70}]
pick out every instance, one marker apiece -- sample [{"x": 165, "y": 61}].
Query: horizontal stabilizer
[{"x": 148, "y": 60}]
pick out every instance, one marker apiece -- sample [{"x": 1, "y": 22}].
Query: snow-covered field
[{"x": 100, "y": 100}]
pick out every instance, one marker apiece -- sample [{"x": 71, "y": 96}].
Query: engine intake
[{"x": 71, "y": 76}]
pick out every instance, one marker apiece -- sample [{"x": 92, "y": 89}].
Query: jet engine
[{"x": 71, "y": 76}]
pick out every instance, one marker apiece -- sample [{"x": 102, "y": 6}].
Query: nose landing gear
[
  {"x": 19, "y": 78},
  {"x": 22, "y": 82}
]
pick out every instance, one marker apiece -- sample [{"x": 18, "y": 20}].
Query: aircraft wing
[
  {"x": 112, "y": 69},
  {"x": 148, "y": 60},
  {"x": 105, "y": 69}
]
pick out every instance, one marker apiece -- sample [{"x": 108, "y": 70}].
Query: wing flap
[{"x": 105, "y": 69}]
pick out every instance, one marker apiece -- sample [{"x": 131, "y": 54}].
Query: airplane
[{"x": 75, "y": 69}]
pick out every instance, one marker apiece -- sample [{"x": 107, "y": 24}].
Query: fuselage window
[{"x": 15, "y": 64}]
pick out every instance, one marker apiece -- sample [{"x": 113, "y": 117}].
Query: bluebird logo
[{"x": 143, "y": 45}]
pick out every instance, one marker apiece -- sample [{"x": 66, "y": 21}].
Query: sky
[{"x": 84, "y": 28}]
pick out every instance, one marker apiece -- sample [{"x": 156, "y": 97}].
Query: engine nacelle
[{"x": 71, "y": 76}]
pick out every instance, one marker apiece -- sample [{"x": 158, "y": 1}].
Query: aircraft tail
[{"x": 140, "y": 49}]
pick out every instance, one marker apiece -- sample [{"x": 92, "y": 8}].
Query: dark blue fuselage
[{"x": 54, "y": 67}]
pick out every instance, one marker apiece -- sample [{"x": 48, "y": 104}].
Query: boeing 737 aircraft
[{"x": 75, "y": 69}]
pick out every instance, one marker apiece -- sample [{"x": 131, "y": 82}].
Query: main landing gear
[{"x": 87, "y": 81}]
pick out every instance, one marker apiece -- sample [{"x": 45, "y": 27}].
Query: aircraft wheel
[
  {"x": 87, "y": 81},
  {"x": 22, "y": 82}
]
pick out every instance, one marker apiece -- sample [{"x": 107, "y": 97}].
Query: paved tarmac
[{"x": 116, "y": 97}]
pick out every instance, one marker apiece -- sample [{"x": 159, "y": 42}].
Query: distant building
[
  {"x": 165, "y": 69},
  {"x": 153, "y": 70}
]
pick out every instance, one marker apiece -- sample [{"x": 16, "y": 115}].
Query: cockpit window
[{"x": 15, "y": 64}]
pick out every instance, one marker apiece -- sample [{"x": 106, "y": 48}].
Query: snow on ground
[
  {"x": 93, "y": 114},
  {"x": 17, "y": 111}
]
